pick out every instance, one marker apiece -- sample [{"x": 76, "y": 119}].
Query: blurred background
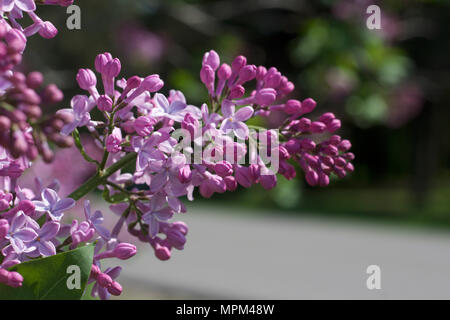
[{"x": 390, "y": 87}]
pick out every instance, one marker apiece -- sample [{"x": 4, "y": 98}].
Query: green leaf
[{"x": 48, "y": 278}]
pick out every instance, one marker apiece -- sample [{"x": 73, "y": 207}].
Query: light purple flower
[
  {"x": 23, "y": 5},
  {"x": 53, "y": 205},
  {"x": 155, "y": 212},
  {"x": 173, "y": 110},
  {"x": 81, "y": 105},
  {"x": 96, "y": 220},
  {"x": 235, "y": 120},
  {"x": 44, "y": 245},
  {"x": 19, "y": 233},
  {"x": 100, "y": 291}
]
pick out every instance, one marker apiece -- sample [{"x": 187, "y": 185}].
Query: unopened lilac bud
[
  {"x": 125, "y": 251},
  {"x": 101, "y": 61},
  {"x": 312, "y": 178},
  {"x": 190, "y": 124},
  {"x": 334, "y": 140},
  {"x": 260, "y": 72},
  {"x": 340, "y": 162},
  {"x": 304, "y": 124},
  {"x": 224, "y": 72},
  {"x": 284, "y": 153},
  {"x": 104, "y": 280},
  {"x": 334, "y": 125},
  {"x": 211, "y": 59},
  {"x": 95, "y": 271},
  {"x": 349, "y": 156},
  {"x": 307, "y": 144},
  {"x": 243, "y": 176},
  {"x": 287, "y": 88},
  {"x": 236, "y": 92},
  {"x": 308, "y": 105},
  {"x": 176, "y": 238},
  {"x": 27, "y": 207},
  {"x": 317, "y": 127},
  {"x": 48, "y": 30},
  {"x": 112, "y": 68},
  {"x": 230, "y": 183},
  {"x": 34, "y": 79},
  {"x": 16, "y": 40},
  {"x": 223, "y": 168},
  {"x": 331, "y": 150},
  {"x": 265, "y": 97},
  {"x": 52, "y": 94},
  {"x": 3, "y": 275},
  {"x": 180, "y": 226},
  {"x": 247, "y": 73},
  {"x": 327, "y": 117},
  {"x": 4, "y": 228},
  {"x": 327, "y": 160},
  {"x": 152, "y": 83},
  {"x": 324, "y": 179},
  {"x": 349, "y": 167},
  {"x": 161, "y": 252},
  {"x": 15, "y": 279},
  {"x": 143, "y": 126},
  {"x": 292, "y": 106},
  {"x": 238, "y": 63},
  {"x": 104, "y": 103},
  {"x": 115, "y": 288},
  {"x": 207, "y": 76},
  {"x": 86, "y": 79},
  {"x": 185, "y": 174},
  {"x": 5, "y": 124},
  {"x": 293, "y": 146},
  {"x": 19, "y": 144},
  {"x": 268, "y": 181},
  {"x": 344, "y": 145},
  {"x": 133, "y": 82}
]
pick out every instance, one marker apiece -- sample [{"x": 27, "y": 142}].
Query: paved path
[{"x": 278, "y": 257}]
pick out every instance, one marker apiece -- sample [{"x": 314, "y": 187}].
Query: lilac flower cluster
[{"x": 22, "y": 238}]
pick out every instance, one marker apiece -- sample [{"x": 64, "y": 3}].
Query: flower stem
[{"x": 100, "y": 177}]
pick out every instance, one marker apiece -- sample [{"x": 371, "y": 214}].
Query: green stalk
[{"x": 101, "y": 177}]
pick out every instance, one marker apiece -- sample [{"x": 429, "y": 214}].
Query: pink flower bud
[
  {"x": 34, "y": 79},
  {"x": 52, "y": 94},
  {"x": 27, "y": 207},
  {"x": 349, "y": 167},
  {"x": 317, "y": 127},
  {"x": 86, "y": 79},
  {"x": 152, "y": 83},
  {"x": 5, "y": 124},
  {"x": 238, "y": 63},
  {"x": 104, "y": 280},
  {"x": 308, "y": 105},
  {"x": 230, "y": 183},
  {"x": 4, "y": 228},
  {"x": 112, "y": 68},
  {"x": 268, "y": 181},
  {"x": 344, "y": 145},
  {"x": 236, "y": 92},
  {"x": 224, "y": 72},
  {"x": 115, "y": 288},
  {"x": 48, "y": 30},
  {"x": 243, "y": 176},
  {"x": 176, "y": 238},
  {"x": 16, "y": 40},
  {"x": 247, "y": 73},
  {"x": 207, "y": 76},
  {"x": 101, "y": 61},
  {"x": 292, "y": 106},
  {"x": 95, "y": 271},
  {"x": 143, "y": 125},
  {"x": 15, "y": 279},
  {"x": 312, "y": 177},
  {"x": 124, "y": 251},
  {"x": 190, "y": 124},
  {"x": 324, "y": 179},
  {"x": 104, "y": 103},
  {"x": 265, "y": 97},
  {"x": 211, "y": 59},
  {"x": 260, "y": 73},
  {"x": 340, "y": 162},
  {"x": 333, "y": 125},
  {"x": 223, "y": 168},
  {"x": 327, "y": 117},
  {"x": 161, "y": 252},
  {"x": 334, "y": 140},
  {"x": 185, "y": 174},
  {"x": 283, "y": 152}
]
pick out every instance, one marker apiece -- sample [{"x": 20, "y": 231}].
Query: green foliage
[{"x": 46, "y": 278}]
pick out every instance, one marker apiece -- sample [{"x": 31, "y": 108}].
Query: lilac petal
[
  {"x": 17, "y": 245},
  {"x": 114, "y": 272},
  {"x": 102, "y": 231},
  {"x": 243, "y": 114},
  {"x": 164, "y": 214},
  {"x": 226, "y": 125},
  {"x": 103, "y": 293},
  {"x": 87, "y": 209},
  {"x": 158, "y": 181},
  {"x": 50, "y": 196},
  {"x": 7, "y": 5},
  {"x": 26, "y": 234},
  {"x": 97, "y": 217},
  {"x": 46, "y": 248},
  {"x": 68, "y": 128},
  {"x": 227, "y": 108},
  {"x": 161, "y": 101},
  {"x": 26, "y": 5},
  {"x": 176, "y": 106},
  {"x": 153, "y": 227},
  {"x": 240, "y": 130},
  {"x": 18, "y": 221},
  {"x": 174, "y": 203},
  {"x": 154, "y": 139},
  {"x": 49, "y": 231},
  {"x": 64, "y": 204},
  {"x": 55, "y": 216},
  {"x": 41, "y": 206}
]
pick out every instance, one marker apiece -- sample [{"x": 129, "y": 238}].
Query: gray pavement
[{"x": 248, "y": 256}]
